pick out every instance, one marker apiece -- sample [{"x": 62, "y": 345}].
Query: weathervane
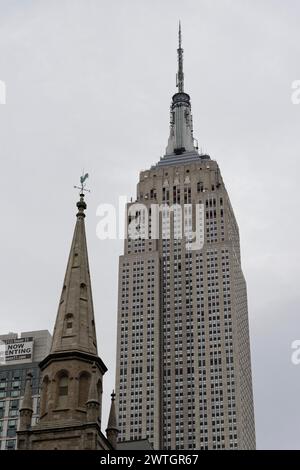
[{"x": 82, "y": 186}]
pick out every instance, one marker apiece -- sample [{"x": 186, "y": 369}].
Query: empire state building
[{"x": 183, "y": 351}]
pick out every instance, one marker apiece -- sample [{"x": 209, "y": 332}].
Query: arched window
[
  {"x": 63, "y": 390},
  {"x": 83, "y": 390}
]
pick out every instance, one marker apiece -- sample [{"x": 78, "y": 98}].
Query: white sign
[{"x": 18, "y": 350}]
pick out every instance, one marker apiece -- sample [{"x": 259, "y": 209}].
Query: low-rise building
[{"x": 20, "y": 354}]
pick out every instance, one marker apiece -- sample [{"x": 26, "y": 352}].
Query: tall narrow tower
[
  {"x": 72, "y": 374},
  {"x": 183, "y": 353}
]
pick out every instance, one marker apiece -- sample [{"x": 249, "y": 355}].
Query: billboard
[{"x": 17, "y": 350}]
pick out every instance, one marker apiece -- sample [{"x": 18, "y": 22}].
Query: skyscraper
[{"x": 183, "y": 353}]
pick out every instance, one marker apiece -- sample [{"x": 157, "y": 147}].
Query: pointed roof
[
  {"x": 74, "y": 329},
  {"x": 112, "y": 424}
]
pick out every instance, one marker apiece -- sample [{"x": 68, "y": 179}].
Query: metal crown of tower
[{"x": 181, "y": 138}]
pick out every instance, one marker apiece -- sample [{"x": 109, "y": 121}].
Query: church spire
[
  {"x": 181, "y": 138},
  {"x": 112, "y": 429},
  {"x": 72, "y": 374},
  {"x": 75, "y": 325}
]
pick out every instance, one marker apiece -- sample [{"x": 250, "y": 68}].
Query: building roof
[
  {"x": 141, "y": 444},
  {"x": 75, "y": 325}
]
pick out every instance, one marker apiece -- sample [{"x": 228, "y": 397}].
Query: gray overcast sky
[{"x": 89, "y": 84}]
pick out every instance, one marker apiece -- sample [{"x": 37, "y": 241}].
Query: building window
[
  {"x": 2, "y": 409},
  {"x": 14, "y": 404},
  {"x": 12, "y": 428},
  {"x": 11, "y": 444},
  {"x": 3, "y": 384},
  {"x": 68, "y": 324},
  {"x": 63, "y": 390},
  {"x": 84, "y": 385}
]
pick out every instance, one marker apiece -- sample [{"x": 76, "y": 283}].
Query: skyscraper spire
[
  {"x": 180, "y": 74},
  {"x": 181, "y": 138}
]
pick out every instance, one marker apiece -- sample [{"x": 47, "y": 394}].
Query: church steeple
[
  {"x": 72, "y": 374},
  {"x": 181, "y": 138},
  {"x": 75, "y": 325}
]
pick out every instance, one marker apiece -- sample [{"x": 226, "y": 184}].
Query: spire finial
[
  {"x": 81, "y": 204},
  {"x": 180, "y": 75}
]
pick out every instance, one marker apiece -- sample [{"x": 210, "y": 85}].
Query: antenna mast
[{"x": 180, "y": 74}]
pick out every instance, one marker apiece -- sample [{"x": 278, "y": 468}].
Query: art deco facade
[{"x": 183, "y": 353}]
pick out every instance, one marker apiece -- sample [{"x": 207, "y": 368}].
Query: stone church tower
[{"x": 72, "y": 374}]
